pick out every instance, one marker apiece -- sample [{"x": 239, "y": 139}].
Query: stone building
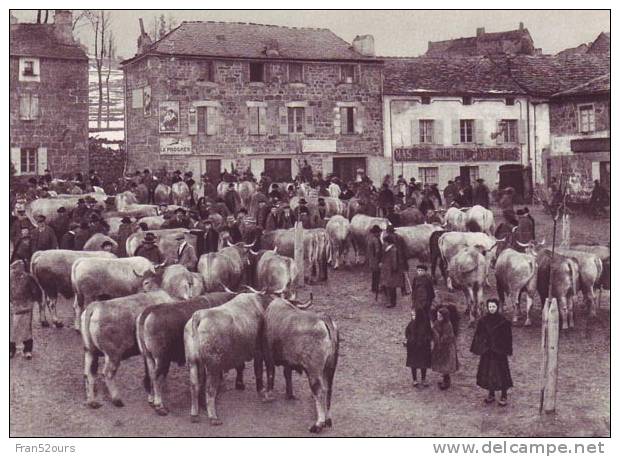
[
  {"x": 48, "y": 97},
  {"x": 211, "y": 95}
]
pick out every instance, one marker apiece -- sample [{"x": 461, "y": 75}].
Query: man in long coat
[
  {"x": 373, "y": 253},
  {"x": 403, "y": 263},
  {"x": 391, "y": 274},
  {"x": 43, "y": 237}
]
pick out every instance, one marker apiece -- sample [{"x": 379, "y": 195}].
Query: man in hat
[
  {"x": 373, "y": 249},
  {"x": 401, "y": 255},
  {"x": 302, "y": 214},
  {"x": 81, "y": 236},
  {"x": 176, "y": 177},
  {"x": 240, "y": 220},
  {"x": 149, "y": 249},
  {"x": 321, "y": 216},
  {"x": 47, "y": 177},
  {"x": 526, "y": 211},
  {"x": 23, "y": 247},
  {"x": 19, "y": 223},
  {"x": 481, "y": 194},
  {"x": 107, "y": 246},
  {"x": 274, "y": 193},
  {"x": 232, "y": 199},
  {"x": 211, "y": 237},
  {"x": 61, "y": 223},
  {"x": 43, "y": 237},
  {"x": 286, "y": 218},
  {"x": 180, "y": 219},
  {"x": 233, "y": 230},
  {"x": 272, "y": 219},
  {"x": 186, "y": 254},
  {"x": 79, "y": 213},
  {"x": 253, "y": 233},
  {"x": 124, "y": 231},
  {"x": 68, "y": 239},
  {"x": 422, "y": 290}
]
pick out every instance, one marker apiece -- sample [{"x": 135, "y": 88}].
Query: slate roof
[
  {"x": 447, "y": 76},
  {"x": 247, "y": 40},
  {"x": 39, "y": 40},
  {"x": 598, "y": 85}
]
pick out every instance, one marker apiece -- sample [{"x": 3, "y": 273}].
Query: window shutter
[
  {"x": 212, "y": 120},
  {"x": 500, "y": 134},
  {"x": 283, "y": 117},
  {"x": 257, "y": 166},
  {"x": 479, "y": 132},
  {"x": 337, "y": 119},
  {"x": 41, "y": 160},
  {"x": 192, "y": 119},
  {"x": 328, "y": 166},
  {"x": 253, "y": 116},
  {"x": 34, "y": 106},
  {"x": 16, "y": 158},
  {"x": 415, "y": 131},
  {"x": 24, "y": 107},
  {"x": 358, "y": 118},
  {"x": 522, "y": 132},
  {"x": 262, "y": 120},
  {"x": 344, "y": 120},
  {"x": 456, "y": 131},
  {"x": 438, "y": 131},
  {"x": 309, "y": 118}
]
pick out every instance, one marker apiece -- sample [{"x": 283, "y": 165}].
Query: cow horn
[
  {"x": 159, "y": 265},
  {"x": 523, "y": 245},
  {"x": 306, "y": 304},
  {"x": 226, "y": 289},
  {"x": 279, "y": 292},
  {"x": 275, "y": 250},
  {"x": 254, "y": 252},
  {"x": 251, "y": 289},
  {"x": 250, "y": 245},
  {"x": 501, "y": 240},
  {"x": 228, "y": 242},
  {"x": 134, "y": 272}
]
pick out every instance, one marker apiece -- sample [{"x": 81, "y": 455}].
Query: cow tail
[
  {"x": 574, "y": 274},
  {"x": 332, "y": 359},
  {"x": 89, "y": 344},
  {"x": 33, "y": 273},
  {"x": 140, "y": 331}
]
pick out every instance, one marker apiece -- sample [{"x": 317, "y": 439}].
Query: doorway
[
  {"x": 213, "y": 167},
  {"x": 279, "y": 170},
  {"x": 346, "y": 167},
  {"x": 469, "y": 174}
]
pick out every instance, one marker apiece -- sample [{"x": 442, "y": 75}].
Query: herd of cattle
[{"x": 128, "y": 306}]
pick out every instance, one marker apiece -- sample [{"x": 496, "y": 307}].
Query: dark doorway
[
  {"x": 605, "y": 174},
  {"x": 515, "y": 176},
  {"x": 279, "y": 170},
  {"x": 213, "y": 167},
  {"x": 346, "y": 167},
  {"x": 465, "y": 175}
]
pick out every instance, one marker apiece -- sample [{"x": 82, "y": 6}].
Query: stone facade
[{"x": 230, "y": 95}]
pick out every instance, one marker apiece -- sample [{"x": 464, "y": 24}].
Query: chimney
[
  {"x": 365, "y": 45},
  {"x": 144, "y": 40},
  {"x": 480, "y": 31},
  {"x": 63, "y": 25},
  {"x": 521, "y": 27}
]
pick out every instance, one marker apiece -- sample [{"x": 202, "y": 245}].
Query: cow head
[{"x": 532, "y": 247}]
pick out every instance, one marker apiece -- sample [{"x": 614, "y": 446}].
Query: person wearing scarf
[
  {"x": 419, "y": 336},
  {"x": 493, "y": 343}
]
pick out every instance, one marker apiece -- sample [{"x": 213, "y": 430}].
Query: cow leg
[
  {"x": 563, "y": 306},
  {"x": 159, "y": 371},
  {"x": 318, "y": 392},
  {"x": 213, "y": 379},
  {"x": 288, "y": 378},
  {"x": 516, "y": 306},
  {"x": 42, "y": 314},
  {"x": 52, "y": 307},
  {"x": 571, "y": 311},
  {"x": 239, "y": 385},
  {"x": 528, "y": 307},
  {"x": 434, "y": 259},
  {"x": 109, "y": 372},
  {"x": 78, "y": 302},
  {"x": 147, "y": 381},
  {"x": 589, "y": 299},
  {"x": 91, "y": 364},
  {"x": 194, "y": 383}
]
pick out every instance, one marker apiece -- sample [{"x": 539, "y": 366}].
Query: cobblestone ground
[{"x": 373, "y": 394}]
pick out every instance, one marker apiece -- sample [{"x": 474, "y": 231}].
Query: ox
[
  {"x": 159, "y": 333},
  {"x": 338, "y": 229},
  {"x": 468, "y": 269},
  {"x": 246, "y": 190},
  {"x": 360, "y": 229},
  {"x": 152, "y": 222},
  {"x": 564, "y": 282},
  {"x": 277, "y": 273},
  {"x": 417, "y": 240},
  {"x": 226, "y": 268},
  {"x": 436, "y": 254},
  {"x": 95, "y": 242},
  {"x": 92, "y": 278},
  {"x": 480, "y": 219},
  {"x": 302, "y": 341},
  {"x": 52, "y": 271},
  {"x": 455, "y": 219},
  {"x": 48, "y": 206},
  {"x": 162, "y": 194},
  {"x": 126, "y": 204},
  {"x": 178, "y": 281},
  {"x": 603, "y": 253},
  {"x": 590, "y": 272},
  {"x": 180, "y": 194},
  {"x": 410, "y": 216},
  {"x": 333, "y": 206}
]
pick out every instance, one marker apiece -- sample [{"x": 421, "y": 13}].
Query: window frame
[
  {"x": 344, "y": 76},
  {"x": 29, "y": 116},
  {"x": 36, "y": 69},
  {"x": 258, "y": 109},
  {"x": 586, "y": 107},
  {"x": 512, "y": 130},
  {"x": 31, "y": 166},
  {"x": 467, "y": 100},
  {"x": 424, "y": 137},
  {"x": 208, "y": 74},
  {"x": 262, "y": 72},
  {"x": 301, "y": 68},
  {"x": 293, "y": 121},
  {"x": 423, "y": 175},
  {"x": 463, "y": 123},
  {"x": 349, "y": 113},
  {"x": 425, "y": 100}
]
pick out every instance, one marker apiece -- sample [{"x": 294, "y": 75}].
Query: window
[
  {"x": 29, "y": 69},
  {"x": 428, "y": 175},
  {"x": 28, "y": 106},
  {"x": 474, "y": 173},
  {"x": 467, "y": 130},
  {"x": 296, "y": 119},
  {"x": 28, "y": 161},
  {"x": 347, "y": 120},
  {"x": 257, "y": 116},
  {"x": 295, "y": 73},
  {"x": 347, "y": 73},
  {"x": 586, "y": 118},
  {"x": 257, "y": 72},
  {"x": 467, "y": 100},
  {"x": 206, "y": 120},
  {"x": 426, "y": 131},
  {"x": 510, "y": 101},
  {"x": 207, "y": 73},
  {"x": 510, "y": 130},
  {"x": 426, "y": 100}
]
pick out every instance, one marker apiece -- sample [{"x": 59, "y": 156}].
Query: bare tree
[
  {"x": 101, "y": 22},
  {"x": 111, "y": 52},
  {"x": 171, "y": 21}
]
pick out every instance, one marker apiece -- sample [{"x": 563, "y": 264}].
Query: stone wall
[
  {"x": 62, "y": 124},
  {"x": 182, "y": 80},
  {"x": 564, "y": 115}
]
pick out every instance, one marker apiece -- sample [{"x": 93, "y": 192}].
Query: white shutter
[
  {"x": 41, "y": 160},
  {"x": 294, "y": 168},
  {"x": 262, "y": 120},
  {"x": 438, "y": 131},
  {"x": 328, "y": 165},
  {"x": 337, "y": 123},
  {"x": 16, "y": 158},
  {"x": 309, "y": 121},
  {"x": 344, "y": 121},
  {"x": 257, "y": 166},
  {"x": 522, "y": 132},
  {"x": 415, "y": 131},
  {"x": 253, "y": 116},
  {"x": 456, "y": 131},
  {"x": 192, "y": 119},
  {"x": 283, "y": 119},
  {"x": 24, "y": 107},
  {"x": 479, "y": 132},
  {"x": 212, "y": 120},
  {"x": 358, "y": 118},
  {"x": 34, "y": 106}
]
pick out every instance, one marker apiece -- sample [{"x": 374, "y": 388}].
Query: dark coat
[
  {"x": 235, "y": 233},
  {"x": 444, "y": 357},
  {"x": 18, "y": 225},
  {"x": 425, "y": 205},
  {"x": 525, "y": 230},
  {"x": 271, "y": 222},
  {"x": 44, "y": 240},
  {"x": 60, "y": 225},
  {"x": 150, "y": 251},
  {"x": 386, "y": 198},
  {"x": 373, "y": 252},
  {"x": 285, "y": 221},
  {"x": 68, "y": 241},
  {"x": 391, "y": 274},
  {"x": 80, "y": 239},
  {"x": 419, "y": 336},
  {"x": 232, "y": 201},
  {"x": 124, "y": 231},
  {"x": 493, "y": 343},
  {"x": 23, "y": 250},
  {"x": 401, "y": 247},
  {"x": 423, "y": 292},
  {"x": 481, "y": 195},
  {"x": 212, "y": 239},
  {"x": 449, "y": 193}
]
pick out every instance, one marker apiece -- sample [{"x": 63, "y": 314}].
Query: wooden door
[
  {"x": 213, "y": 170},
  {"x": 605, "y": 174}
]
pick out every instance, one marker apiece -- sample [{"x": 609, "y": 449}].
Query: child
[
  {"x": 444, "y": 356},
  {"x": 419, "y": 336},
  {"x": 423, "y": 292}
]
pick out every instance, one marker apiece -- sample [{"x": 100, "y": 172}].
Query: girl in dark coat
[
  {"x": 444, "y": 357},
  {"x": 493, "y": 343},
  {"x": 419, "y": 336}
]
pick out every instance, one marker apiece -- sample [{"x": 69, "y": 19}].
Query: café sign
[{"x": 456, "y": 154}]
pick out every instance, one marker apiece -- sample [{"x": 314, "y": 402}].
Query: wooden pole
[
  {"x": 543, "y": 351},
  {"x": 299, "y": 252},
  {"x": 553, "y": 336}
]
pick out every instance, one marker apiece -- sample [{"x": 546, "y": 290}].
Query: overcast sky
[{"x": 397, "y": 33}]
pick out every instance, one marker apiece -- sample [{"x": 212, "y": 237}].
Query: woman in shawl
[
  {"x": 493, "y": 343},
  {"x": 419, "y": 336},
  {"x": 444, "y": 358}
]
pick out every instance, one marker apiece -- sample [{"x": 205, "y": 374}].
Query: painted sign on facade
[
  {"x": 175, "y": 146},
  {"x": 169, "y": 117},
  {"x": 456, "y": 154}
]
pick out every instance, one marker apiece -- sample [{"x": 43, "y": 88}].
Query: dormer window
[
  {"x": 347, "y": 74},
  {"x": 257, "y": 72},
  {"x": 29, "y": 69}
]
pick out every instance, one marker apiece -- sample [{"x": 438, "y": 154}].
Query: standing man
[
  {"x": 334, "y": 189},
  {"x": 373, "y": 252},
  {"x": 23, "y": 247},
  {"x": 43, "y": 237},
  {"x": 391, "y": 276},
  {"x": 403, "y": 263},
  {"x": 422, "y": 291},
  {"x": 186, "y": 253},
  {"x": 232, "y": 199},
  {"x": 21, "y": 222},
  {"x": 61, "y": 224},
  {"x": 149, "y": 249},
  {"x": 211, "y": 237},
  {"x": 481, "y": 194},
  {"x": 68, "y": 239}
]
